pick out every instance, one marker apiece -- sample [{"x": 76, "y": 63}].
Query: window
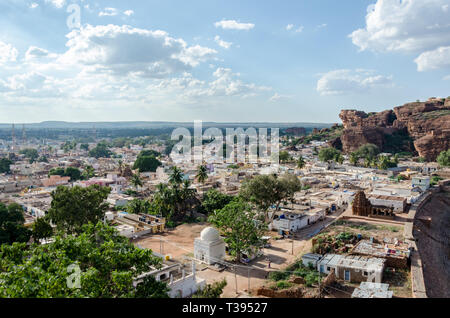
[
  {"x": 365, "y": 274},
  {"x": 328, "y": 269}
]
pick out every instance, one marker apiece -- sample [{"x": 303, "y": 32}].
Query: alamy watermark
[
  {"x": 239, "y": 145},
  {"x": 74, "y": 19}
]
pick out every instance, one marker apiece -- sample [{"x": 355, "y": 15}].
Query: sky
[{"x": 224, "y": 61}]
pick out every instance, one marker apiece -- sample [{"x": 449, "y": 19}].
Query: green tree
[
  {"x": 56, "y": 172},
  {"x": 100, "y": 151},
  {"x": 354, "y": 158},
  {"x": 138, "y": 206},
  {"x": 30, "y": 153},
  {"x": 444, "y": 158},
  {"x": 108, "y": 266},
  {"x": 213, "y": 290},
  {"x": 71, "y": 208},
  {"x": 301, "y": 163},
  {"x": 42, "y": 229},
  {"x": 241, "y": 227},
  {"x": 84, "y": 147},
  {"x": 136, "y": 180},
  {"x": 5, "y": 165},
  {"x": 89, "y": 172},
  {"x": 151, "y": 288},
  {"x": 147, "y": 163},
  {"x": 215, "y": 200},
  {"x": 73, "y": 173},
  {"x": 12, "y": 227},
  {"x": 267, "y": 190},
  {"x": 176, "y": 176},
  {"x": 329, "y": 154},
  {"x": 284, "y": 156},
  {"x": 202, "y": 174},
  {"x": 368, "y": 151},
  {"x": 43, "y": 159}
]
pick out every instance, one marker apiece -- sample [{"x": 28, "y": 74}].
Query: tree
[
  {"x": 301, "y": 163},
  {"x": 329, "y": 154},
  {"x": 43, "y": 159},
  {"x": 151, "y": 288},
  {"x": 444, "y": 158},
  {"x": 368, "y": 151},
  {"x": 213, "y": 290},
  {"x": 146, "y": 164},
  {"x": 202, "y": 174},
  {"x": 284, "y": 156},
  {"x": 30, "y": 153},
  {"x": 71, "y": 208},
  {"x": 89, "y": 172},
  {"x": 354, "y": 158},
  {"x": 215, "y": 200},
  {"x": 73, "y": 173},
  {"x": 241, "y": 227},
  {"x": 84, "y": 147},
  {"x": 12, "y": 227},
  {"x": 136, "y": 180},
  {"x": 100, "y": 151},
  {"x": 176, "y": 176},
  {"x": 5, "y": 165},
  {"x": 108, "y": 265},
  {"x": 42, "y": 229},
  {"x": 265, "y": 191},
  {"x": 138, "y": 206}
]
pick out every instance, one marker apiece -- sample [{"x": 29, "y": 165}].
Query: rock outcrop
[{"x": 426, "y": 123}]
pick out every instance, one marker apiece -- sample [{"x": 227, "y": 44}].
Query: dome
[{"x": 209, "y": 234}]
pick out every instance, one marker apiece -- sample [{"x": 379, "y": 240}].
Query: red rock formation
[{"x": 427, "y": 123}]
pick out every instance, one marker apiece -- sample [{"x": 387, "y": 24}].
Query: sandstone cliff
[{"x": 423, "y": 127}]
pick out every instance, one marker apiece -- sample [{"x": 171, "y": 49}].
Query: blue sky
[{"x": 279, "y": 61}]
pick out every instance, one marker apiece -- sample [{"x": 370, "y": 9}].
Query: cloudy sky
[{"x": 234, "y": 60}]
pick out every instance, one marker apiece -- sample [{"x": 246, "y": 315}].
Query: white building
[
  {"x": 422, "y": 182},
  {"x": 209, "y": 247},
  {"x": 398, "y": 203}
]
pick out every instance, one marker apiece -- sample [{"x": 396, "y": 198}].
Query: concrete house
[{"x": 352, "y": 268}]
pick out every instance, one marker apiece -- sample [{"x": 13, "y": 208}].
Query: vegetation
[
  {"x": 284, "y": 156},
  {"x": 269, "y": 190},
  {"x": 147, "y": 162},
  {"x": 138, "y": 206},
  {"x": 5, "y": 165},
  {"x": 98, "y": 263},
  {"x": 30, "y": 153},
  {"x": 100, "y": 151},
  {"x": 71, "y": 208},
  {"x": 12, "y": 227},
  {"x": 301, "y": 163},
  {"x": 444, "y": 158},
  {"x": 73, "y": 173},
  {"x": 241, "y": 227},
  {"x": 202, "y": 174},
  {"x": 330, "y": 154},
  {"x": 42, "y": 229},
  {"x": 213, "y": 290},
  {"x": 214, "y": 200}
]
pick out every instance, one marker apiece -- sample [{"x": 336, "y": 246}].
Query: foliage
[
  {"x": 368, "y": 151},
  {"x": 284, "y": 156},
  {"x": 146, "y": 163},
  {"x": 100, "y": 151},
  {"x": 71, "y": 208},
  {"x": 89, "y": 172},
  {"x": 301, "y": 163},
  {"x": 444, "y": 158},
  {"x": 329, "y": 154},
  {"x": 215, "y": 200},
  {"x": 241, "y": 227},
  {"x": 202, "y": 174},
  {"x": 136, "y": 180},
  {"x": 108, "y": 265},
  {"x": 5, "y": 165},
  {"x": 73, "y": 173},
  {"x": 12, "y": 227},
  {"x": 267, "y": 190},
  {"x": 279, "y": 275},
  {"x": 213, "y": 290},
  {"x": 138, "y": 206},
  {"x": 151, "y": 288},
  {"x": 84, "y": 147},
  {"x": 42, "y": 229},
  {"x": 30, "y": 153},
  {"x": 435, "y": 180}
]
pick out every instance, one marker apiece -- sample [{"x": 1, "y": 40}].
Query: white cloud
[
  {"x": 33, "y": 5},
  {"x": 446, "y": 78},
  {"x": 321, "y": 26},
  {"x": 128, "y": 12},
  {"x": 8, "y": 53},
  {"x": 346, "y": 81},
  {"x": 234, "y": 25},
  {"x": 433, "y": 60},
  {"x": 289, "y": 27},
  {"x": 278, "y": 97},
  {"x": 222, "y": 43},
  {"x": 124, "y": 50},
  {"x": 108, "y": 12},
  {"x": 57, "y": 3},
  {"x": 410, "y": 26},
  {"x": 35, "y": 52}
]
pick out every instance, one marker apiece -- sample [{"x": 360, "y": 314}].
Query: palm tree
[
  {"x": 176, "y": 176},
  {"x": 136, "y": 180},
  {"x": 354, "y": 158},
  {"x": 301, "y": 163},
  {"x": 202, "y": 174},
  {"x": 120, "y": 167}
]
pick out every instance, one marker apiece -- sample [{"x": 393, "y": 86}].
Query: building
[
  {"x": 311, "y": 259},
  {"x": 209, "y": 247},
  {"x": 398, "y": 204},
  {"x": 422, "y": 182},
  {"x": 396, "y": 253},
  {"x": 372, "y": 290},
  {"x": 353, "y": 268},
  {"x": 55, "y": 180},
  {"x": 292, "y": 221}
]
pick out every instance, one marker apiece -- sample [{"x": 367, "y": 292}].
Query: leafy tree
[
  {"x": 147, "y": 163},
  {"x": 329, "y": 154},
  {"x": 202, "y": 174},
  {"x": 42, "y": 229},
  {"x": 100, "y": 151},
  {"x": 354, "y": 158},
  {"x": 213, "y": 290},
  {"x": 30, "y": 153},
  {"x": 5, "y": 165},
  {"x": 56, "y": 172},
  {"x": 149, "y": 153},
  {"x": 267, "y": 190},
  {"x": 284, "y": 156},
  {"x": 368, "y": 151},
  {"x": 43, "y": 159},
  {"x": 12, "y": 227},
  {"x": 136, "y": 180},
  {"x": 215, "y": 200},
  {"x": 241, "y": 227},
  {"x": 301, "y": 163},
  {"x": 84, "y": 147},
  {"x": 151, "y": 288},
  {"x": 73, "y": 173},
  {"x": 138, "y": 206},
  {"x": 444, "y": 158},
  {"x": 89, "y": 172},
  {"x": 176, "y": 176},
  {"x": 109, "y": 265},
  {"x": 71, "y": 208}
]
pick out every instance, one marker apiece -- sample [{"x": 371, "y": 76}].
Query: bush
[
  {"x": 277, "y": 276},
  {"x": 284, "y": 285}
]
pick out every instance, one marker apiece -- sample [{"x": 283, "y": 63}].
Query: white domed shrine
[{"x": 209, "y": 247}]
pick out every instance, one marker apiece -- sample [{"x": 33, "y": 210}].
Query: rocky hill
[{"x": 422, "y": 127}]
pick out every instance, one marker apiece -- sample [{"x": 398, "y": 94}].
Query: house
[
  {"x": 422, "y": 182},
  {"x": 397, "y": 203},
  {"x": 55, "y": 180},
  {"x": 396, "y": 253},
  {"x": 311, "y": 259},
  {"x": 353, "y": 268}
]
